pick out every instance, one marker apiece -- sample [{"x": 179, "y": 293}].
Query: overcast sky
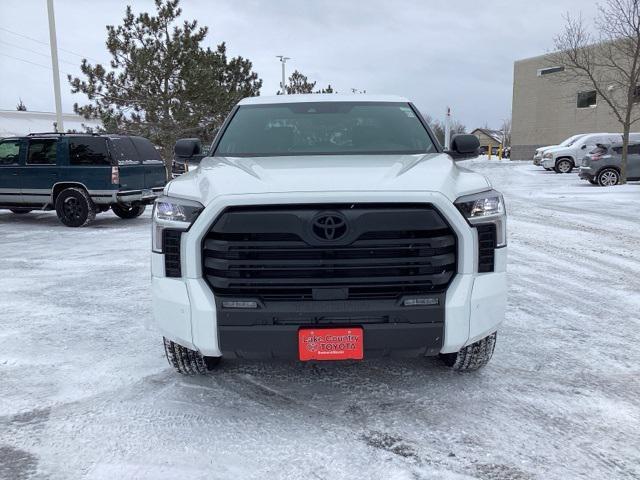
[{"x": 436, "y": 52}]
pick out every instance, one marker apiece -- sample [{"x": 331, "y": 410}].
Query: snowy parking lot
[{"x": 86, "y": 393}]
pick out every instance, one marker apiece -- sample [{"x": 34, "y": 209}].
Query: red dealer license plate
[{"x": 330, "y": 343}]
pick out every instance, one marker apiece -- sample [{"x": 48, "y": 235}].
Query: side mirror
[
  {"x": 583, "y": 147},
  {"x": 187, "y": 147},
  {"x": 464, "y": 146}
]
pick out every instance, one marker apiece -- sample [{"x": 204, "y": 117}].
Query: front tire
[
  {"x": 75, "y": 208},
  {"x": 564, "y": 166},
  {"x": 126, "y": 213},
  {"x": 186, "y": 361},
  {"x": 20, "y": 211},
  {"x": 608, "y": 177},
  {"x": 472, "y": 357}
]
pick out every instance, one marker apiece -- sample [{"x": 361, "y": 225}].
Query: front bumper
[
  {"x": 548, "y": 162},
  {"x": 186, "y": 310},
  {"x": 536, "y": 161}
]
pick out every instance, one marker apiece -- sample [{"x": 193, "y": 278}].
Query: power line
[
  {"x": 29, "y": 61},
  {"x": 35, "y": 52},
  {"x": 47, "y": 44}
]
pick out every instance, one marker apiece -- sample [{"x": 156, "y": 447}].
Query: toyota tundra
[{"x": 328, "y": 227}]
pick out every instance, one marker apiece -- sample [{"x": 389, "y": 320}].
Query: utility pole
[
  {"x": 447, "y": 129},
  {"x": 283, "y": 60},
  {"x": 54, "y": 65}
]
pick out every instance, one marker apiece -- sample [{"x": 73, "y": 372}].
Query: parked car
[
  {"x": 565, "y": 159},
  {"x": 329, "y": 227},
  {"x": 601, "y": 166},
  {"x": 79, "y": 175},
  {"x": 188, "y": 153},
  {"x": 537, "y": 156}
]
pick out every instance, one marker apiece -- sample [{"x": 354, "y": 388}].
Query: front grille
[
  {"x": 272, "y": 253},
  {"x": 171, "y": 250},
  {"x": 486, "y": 247}
]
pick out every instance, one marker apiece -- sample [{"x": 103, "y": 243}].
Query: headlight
[
  {"x": 172, "y": 213},
  {"x": 485, "y": 208},
  {"x": 547, "y": 155}
]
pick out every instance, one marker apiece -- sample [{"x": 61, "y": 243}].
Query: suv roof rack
[{"x": 37, "y": 134}]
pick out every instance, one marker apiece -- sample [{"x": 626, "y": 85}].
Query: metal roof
[{"x": 14, "y": 123}]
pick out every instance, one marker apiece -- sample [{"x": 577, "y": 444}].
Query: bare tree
[
  {"x": 609, "y": 61},
  {"x": 438, "y": 127}
]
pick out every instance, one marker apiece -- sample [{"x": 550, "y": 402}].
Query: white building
[{"x": 15, "y": 123}]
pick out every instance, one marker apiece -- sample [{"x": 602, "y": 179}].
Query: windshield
[
  {"x": 324, "y": 128},
  {"x": 571, "y": 140}
]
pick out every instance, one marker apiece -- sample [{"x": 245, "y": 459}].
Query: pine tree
[
  {"x": 161, "y": 83},
  {"x": 329, "y": 89},
  {"x": 21, "y": 107},
  {"x": 299, "y": 83}
]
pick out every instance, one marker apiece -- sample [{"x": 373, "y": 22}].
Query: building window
[
  {"x": 636, "y": 94},
  {"x": 549, "y": 70},
  {"x": 586, "y": 99}
]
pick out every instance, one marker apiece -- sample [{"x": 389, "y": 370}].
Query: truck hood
[{"x": 218, "y": 176}]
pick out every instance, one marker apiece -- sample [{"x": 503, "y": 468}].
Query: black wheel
[
  {"x": 75, "y": 208},
  {"x": 20, "y": 211},
  {"x": 187, "y": 361},
  {"x": 471, "y": 357},
  {"x": 132, "y": 211},
  {"x": 608, "y": 177},
  {"x": 564, "y": 165}
]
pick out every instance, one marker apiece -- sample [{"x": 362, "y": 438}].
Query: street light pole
[
  {"x": 54, "y": 65},
  {"x": 283, "y": 60},
  {"x": 447, "y": 129}
]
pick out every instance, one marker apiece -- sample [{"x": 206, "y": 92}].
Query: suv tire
[
  {"x": 472, "y": 357},
  {"x": 134, "y": 211},
  {"x": 187, "y": 361},
  {"x": 20, "y": 211},
  {"x": 607, "y": 177},
  {"x": 75, "y": 208},
  {"x": 564, "y": 165}
]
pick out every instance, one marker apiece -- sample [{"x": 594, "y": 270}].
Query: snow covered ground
[{"x": 85, "y": 391}]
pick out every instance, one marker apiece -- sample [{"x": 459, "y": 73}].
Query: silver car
[{"x": 601, "y": 166}]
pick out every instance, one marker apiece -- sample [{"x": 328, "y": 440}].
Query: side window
[
  {"x": 146, "y": 149},
  {"x": 88, "y": 151},
  {"x": 9, "y": 152},
  {"x": 123, "y": 151},
  {"x": 42, "y": 151}
]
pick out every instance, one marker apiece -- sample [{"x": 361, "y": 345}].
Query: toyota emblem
[{"x": 329, "y": 226}]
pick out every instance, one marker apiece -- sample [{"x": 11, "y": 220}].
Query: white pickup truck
[{"x": 329, "y": 227}]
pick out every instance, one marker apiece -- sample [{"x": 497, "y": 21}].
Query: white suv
[
  {"x": 329, "y": 227},
  {"x": 563, "y": 159}
]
